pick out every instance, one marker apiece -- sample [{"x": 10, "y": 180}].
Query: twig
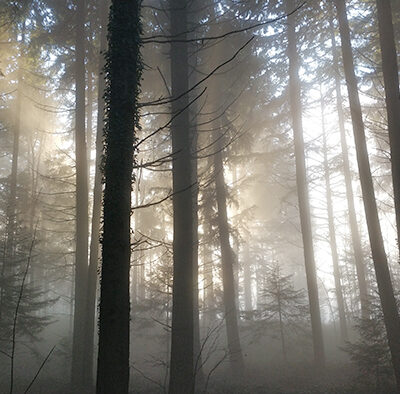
[
  {"x": 14, "y": 330},
  {"x": 40, "y": 368}
]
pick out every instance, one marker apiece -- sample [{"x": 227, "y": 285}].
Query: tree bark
[
  {"x": 123, "y": 71},
  {"x": 182, "y": 336},
  {"x": 302, "y": 190},
  {"x": 332, "y": 234},
  {"x": 385, "y": 289},
  {"x": 392, "y": 96},
  {"x": 81, "y": 166}
]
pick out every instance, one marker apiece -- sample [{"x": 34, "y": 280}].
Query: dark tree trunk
[
  {"x": 182, "y": 337},
  {"x": 81, "y": 166},
  {"x": 228, "y": 262},
  {"x": 355, "y": 234},
  {"x": 195, "y": 208},
  {"x": 96, "y": 213},
  {"x": 123, "y": 66},
  {"x": 389, "y": 307},
  {"x": 392, "y": 95},
  {"x": 302, "y": 190},
  {"x": 332, "y": 234}
]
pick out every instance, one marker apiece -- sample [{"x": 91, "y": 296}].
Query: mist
[{"x": 199, "y": 196}]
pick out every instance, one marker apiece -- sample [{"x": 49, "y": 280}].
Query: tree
[
  {"x": 385, "y": 289},
  {"x": 301, "y": 181},
  {"x": 123, "y": 75},
  {"x": 228, "y": 261},
  {"x": 354, "y": 230},
  {"x": 392, "y": 96},
  {"x": 182, "y": 335},
  {"x": 96, "y": 211},
  {"x": 371, "y": 351},
  {"x": 332, "y": 232},
  {"x": 283, "y": 303},
  {"x": 82, "y": 224}
]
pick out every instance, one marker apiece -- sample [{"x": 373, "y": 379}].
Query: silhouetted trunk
[
  {"x": 123, "y": 71},
  {"x": 195, "y": 208},
  {"x": 392, "y": 96},
  {"x": 96, "y": 213},
  {"x": 81, "y": 167},
  {"x": 332, "y": 234},
  {"x": 182, "y": 341},
  {"x": 302, "y": 190},
  {"x": 390, "y": 312},
  {"x": 227, "y": 262},
  {"x": 355, "y": 234}
]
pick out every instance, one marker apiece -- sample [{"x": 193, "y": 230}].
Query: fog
[{"x": 255, "y": 146}]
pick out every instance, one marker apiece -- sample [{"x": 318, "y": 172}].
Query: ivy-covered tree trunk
[
  {"x": 385, "y": 288},
  {"x": 355, "y": 234},
  {"x": 332, "y": 234},
  {"x": 182, "y": 335},
  {"x": 96, "y": 213},
  {"x": 392, "y": 96},
  {"x": 82, "y": 220},
  {"x": 227, "y": 262},
  {"x": 123, "y": 73},
  {"x": 302, "y": 190}
]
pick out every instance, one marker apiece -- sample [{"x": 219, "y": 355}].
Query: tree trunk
[
  {"x": 248, "y": 303},
  {"x": 195, "y": 195},
  {"x": 81, "y": 166},
  {"x": 389, "y": 307},
  {"x": 301, "y": 180},
  {"x": 96, "y": 213},
  {"x": 208, "y": 281},
  {"x": 123, "y": 68},
  {"x": 392, "y": 96},
  {"x": 355, "y": 234},
  {"x": 332, "y": 234},
  {"x": 182, "y": 337},
  {"x": 227, "y": 261}
]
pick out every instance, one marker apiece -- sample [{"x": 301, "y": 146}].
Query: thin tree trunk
[
  {"x": 389, "y": 307},
  {"x": 96, "y": 213},
  {"x": 392, "y": 96},
  {"x": 89, "y": 120},
  {"x": 281, "y": 328},
  {"x": 332, "y": 234},
  {"x": 355, "y": 234},
  {"x": 248, "y": 304},
  {"x": 182, "y": 336},
  {"x": 121, "y": 102},
  {"x": 208, "y": 280},
  {"x": 227, "y": 261},
  {"x": 81, "y": 254},
  {"x": 301, "y": 180}
]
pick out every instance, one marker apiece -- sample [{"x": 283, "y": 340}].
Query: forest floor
[{"x": 299, "y": 379}]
